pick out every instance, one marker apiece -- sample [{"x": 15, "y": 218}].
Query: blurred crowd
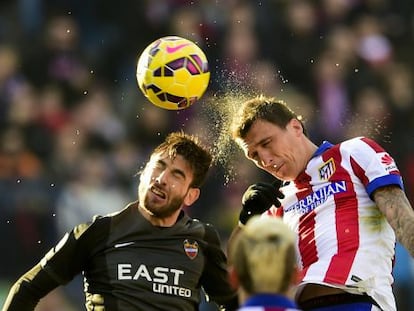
[{"x": 75, "y": 129}]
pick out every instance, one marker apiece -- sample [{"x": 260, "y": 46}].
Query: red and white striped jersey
[{"x": 343, "y": 239}]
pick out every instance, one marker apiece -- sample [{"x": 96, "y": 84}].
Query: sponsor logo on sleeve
[
  {"x": 388, "y": 162},
  {"x": 387, "y": 159}
]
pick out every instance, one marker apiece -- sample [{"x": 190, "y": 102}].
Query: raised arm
[{"x": 393, "y": 203}]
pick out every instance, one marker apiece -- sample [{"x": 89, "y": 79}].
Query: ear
[
  {"x": 296, "y": 126},
  {"x": 233, "y": 278},
  {"x": 192, "y": 196}
]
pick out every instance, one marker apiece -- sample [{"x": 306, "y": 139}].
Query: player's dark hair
[
  {"x": 264, "y": 108},
  {"x": 192, "y": 150}
]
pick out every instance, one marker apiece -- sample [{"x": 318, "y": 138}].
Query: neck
[{"x": 308, "y": 148}]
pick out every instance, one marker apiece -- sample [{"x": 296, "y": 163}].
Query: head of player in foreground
[{"x": 263, "y": 260}]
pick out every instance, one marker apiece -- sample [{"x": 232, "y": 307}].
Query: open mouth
[{"x": 158, "y": 192}]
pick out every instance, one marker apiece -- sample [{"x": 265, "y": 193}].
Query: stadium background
[{"x": 74, "y": 127}]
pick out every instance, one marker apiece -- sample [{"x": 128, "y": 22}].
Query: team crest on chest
[
  {"x": 191, "y": 248},
  {"x": 327, "y": 169}
]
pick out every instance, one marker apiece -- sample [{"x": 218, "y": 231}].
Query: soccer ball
[{"x": 173, "y": 73}]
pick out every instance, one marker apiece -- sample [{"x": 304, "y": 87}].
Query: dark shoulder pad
[{"x": 211, "y": 235}]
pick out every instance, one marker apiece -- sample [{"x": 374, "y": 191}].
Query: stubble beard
[{"x": 159, "y": 211}]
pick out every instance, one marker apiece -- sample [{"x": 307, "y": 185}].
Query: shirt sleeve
[
  {"x": 373, "y": 165},
  {"x": 59, "y": 266},
  {"x": 70, "y": 256},
  {"x": 25, "y": 294}
]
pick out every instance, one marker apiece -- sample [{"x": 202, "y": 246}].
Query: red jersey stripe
[
  {"x": 306, "y": 232},
  {"x": 377, "y": 148},
  {"x": 346, "y": 221}
]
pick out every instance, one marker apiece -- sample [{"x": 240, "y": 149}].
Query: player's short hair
[
  {"x": 263, "y": 255},
  {"x": 192, "y": 150},
  {"x": 262, "y": 108}
]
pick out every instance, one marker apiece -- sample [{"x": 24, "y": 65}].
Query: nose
[
  {"x": 161, "y": 178},
  {"x": 266, "y": 161}
]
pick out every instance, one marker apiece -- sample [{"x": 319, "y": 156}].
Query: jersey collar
[{"x": 322, "y": 148}]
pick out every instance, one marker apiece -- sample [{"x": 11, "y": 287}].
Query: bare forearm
[{"x": 394, "y": 204}]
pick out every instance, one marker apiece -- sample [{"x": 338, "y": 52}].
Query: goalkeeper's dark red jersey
[{"x": 128, "y": 264}]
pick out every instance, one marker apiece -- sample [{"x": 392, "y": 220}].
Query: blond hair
[{"x": 263, "y": 256}]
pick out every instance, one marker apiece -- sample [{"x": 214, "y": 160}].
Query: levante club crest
[{"x": 191, "y": 248}]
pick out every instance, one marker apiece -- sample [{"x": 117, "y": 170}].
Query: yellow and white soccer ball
[{"x": 173, "y": 72}]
